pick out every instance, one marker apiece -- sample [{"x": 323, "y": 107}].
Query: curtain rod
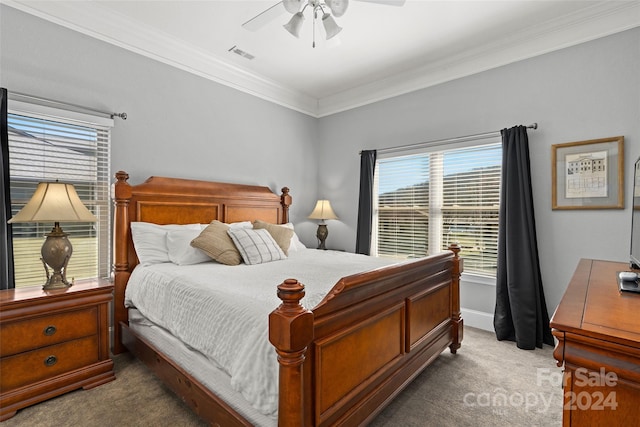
[
  {"x": 442, "y": 141},
  {"x": 123, "y": 116}
]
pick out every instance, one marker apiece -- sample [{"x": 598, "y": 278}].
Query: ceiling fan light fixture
[
  {"x": 292, "y": 6},
  {"x": 295, "y": 24},
  {"x": 330, "y": 26},
  {"x": 338, "y": 7}
]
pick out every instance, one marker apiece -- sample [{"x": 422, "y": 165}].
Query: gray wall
[
  {"x": 583, "y": 92},
  {"x": 183, "y": 125},
  {"x": 179, "y": 124}
]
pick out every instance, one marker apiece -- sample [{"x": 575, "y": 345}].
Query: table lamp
[
  {"x": 322, "y": 211},
  {"x": 55, "y": 202}
]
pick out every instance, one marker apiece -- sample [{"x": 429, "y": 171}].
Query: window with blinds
[
  {"x": 74, "y": 149},
  {"x": 427, "y": 200}
]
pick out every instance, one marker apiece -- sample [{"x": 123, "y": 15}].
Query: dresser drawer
[
  {"x": 48, "y": 362},
  {"x": 24, "y": 335}
]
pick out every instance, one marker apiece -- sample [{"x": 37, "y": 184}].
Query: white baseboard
[{"x": 477, "y": 319}]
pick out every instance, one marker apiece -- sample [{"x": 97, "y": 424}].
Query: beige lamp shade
[
  {"x": 54, "y": 202},
  {"x": 323, "y": 211}
]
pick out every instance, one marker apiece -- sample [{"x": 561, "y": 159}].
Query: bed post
[
  {"x": 122, "y": 196},
  {"x": 456, "y": 318},
  {"x": 285, "y": 201},
  {"x": 291, "y": 331}
]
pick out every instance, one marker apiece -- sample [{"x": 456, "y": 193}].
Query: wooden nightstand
[{"x": 53, "y": 342}]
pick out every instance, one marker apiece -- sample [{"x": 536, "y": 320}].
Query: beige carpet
[{"x": 488, "y": 383}]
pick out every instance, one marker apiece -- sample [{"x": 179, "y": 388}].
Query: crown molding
[
  {"x": 101, "y": 23},
  {"x": 602, "y": 19}
]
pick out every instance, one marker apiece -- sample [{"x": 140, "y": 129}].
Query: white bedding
[
  {"x": 222, "y": 311},
  {"x": 199, "y": 367}
]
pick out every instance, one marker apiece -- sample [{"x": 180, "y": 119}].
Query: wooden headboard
[{"x": 162, "y": 200}]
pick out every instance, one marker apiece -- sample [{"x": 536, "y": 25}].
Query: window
[
  {"x": 426, "y": 200},
  {"x": 47, "y": 144}
]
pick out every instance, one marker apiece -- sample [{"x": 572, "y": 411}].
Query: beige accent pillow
[
  {"x": 280, "y": 233},
  {"x": 215, "y": 242}
]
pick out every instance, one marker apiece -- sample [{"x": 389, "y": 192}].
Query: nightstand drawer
[
  {"x": 30, "y": 367},
  {"x": 53, "y": 342},
  {"x": 20, "y": 336}
]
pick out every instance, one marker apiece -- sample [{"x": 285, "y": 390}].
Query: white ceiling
[{"x": 382, "y": 51}]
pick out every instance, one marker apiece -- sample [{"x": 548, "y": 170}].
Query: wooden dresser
[
  {"x": 53, "y": 342},
  {"x": 598, "y": 332}
]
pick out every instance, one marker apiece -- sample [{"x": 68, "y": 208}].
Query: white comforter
[{"x": 222, "y": 311}]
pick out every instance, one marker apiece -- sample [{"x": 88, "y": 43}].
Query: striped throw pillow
[{"x": 256, "y": 246}]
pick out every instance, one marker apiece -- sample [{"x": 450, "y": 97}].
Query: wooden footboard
[
  {"x": 371, "y": 335},
  {"x": 340, "y": 363}
]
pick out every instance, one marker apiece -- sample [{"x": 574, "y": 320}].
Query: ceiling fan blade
[
  {"x": 263, "y": 18},
  {"x": 386, "y": 2}
]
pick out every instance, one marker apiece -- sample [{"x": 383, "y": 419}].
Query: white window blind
[
  {"x": 48, "y": 144},
  {"x": 424, "y": 202},
  {"x": 403, "y": 206}
]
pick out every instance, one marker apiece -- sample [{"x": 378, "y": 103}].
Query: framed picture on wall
[{"x": 588, "y": 174}]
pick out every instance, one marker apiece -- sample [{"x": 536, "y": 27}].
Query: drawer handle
[
  {"x": 50, "y": 361},
  {"x": 50, "y": 330}
]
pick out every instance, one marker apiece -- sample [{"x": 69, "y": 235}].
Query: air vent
[{"x": 241, "y": 52}]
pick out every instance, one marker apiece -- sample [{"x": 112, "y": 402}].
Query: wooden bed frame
[{"x": 340, "y": 363}]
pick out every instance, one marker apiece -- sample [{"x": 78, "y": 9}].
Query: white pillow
[
  {"x": 296, "y": 244},
  {"x": 180, "y": 250},
  {"x": 256, "y": 246},
  {"x": 241, "y": 224},
  {"x": 150, "y": 241}
]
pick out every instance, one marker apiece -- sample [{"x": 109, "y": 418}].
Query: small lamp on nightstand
[
  {"x": 55, "y": 202},
  {"x": 322, "y": 211}
]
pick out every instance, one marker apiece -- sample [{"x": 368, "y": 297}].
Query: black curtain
[
  {"x": 6, "y": 239},
  {"x": 365, "y": 202},
  {"x": 521, "y": 312}
]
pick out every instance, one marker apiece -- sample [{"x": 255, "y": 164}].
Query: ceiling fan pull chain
[{"x": 315, "y": 16}]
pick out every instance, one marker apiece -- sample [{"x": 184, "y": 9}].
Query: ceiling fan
[{"x": 326, "y": 10}]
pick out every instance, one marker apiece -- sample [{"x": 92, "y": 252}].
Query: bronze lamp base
[
  {"x": 56, "y": 252},
  {"x": 322, "y": 234}
]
